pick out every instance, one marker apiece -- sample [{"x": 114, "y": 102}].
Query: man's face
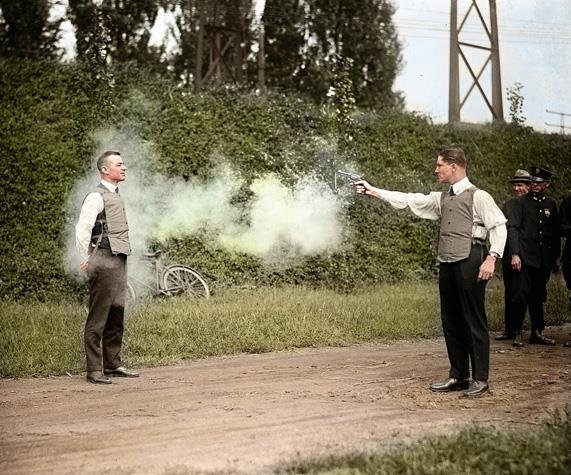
[
  {"x": 114, "y": 170},
  {"x": 444, "y": 171},
  {"x": 539, "y": 187},
  {"x": 519, "y": 189}
]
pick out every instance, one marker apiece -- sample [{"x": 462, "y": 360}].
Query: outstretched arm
[{"x": 424, "y": 206}]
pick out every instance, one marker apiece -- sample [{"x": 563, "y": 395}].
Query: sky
[{"x": 535, "y": 51}]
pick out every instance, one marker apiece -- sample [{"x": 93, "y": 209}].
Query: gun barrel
[{"x": 350, "y": 176}]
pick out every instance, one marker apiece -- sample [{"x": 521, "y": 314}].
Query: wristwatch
[{"x": 495, "y": 255}]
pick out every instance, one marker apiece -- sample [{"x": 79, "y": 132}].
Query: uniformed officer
[
  {"x": 467, "y": 217},
  {"x": 102, "y": 239},
  {"x": 565, "y": 230},
  {"x": 534, "y": 244},
  {"x": 519, "y": 186}
]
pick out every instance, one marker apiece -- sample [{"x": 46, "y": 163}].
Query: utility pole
[
  {"x": 561, "y": 124},
  {"x": 458, "y": 50},
  {"x": 221, "y": 42}
]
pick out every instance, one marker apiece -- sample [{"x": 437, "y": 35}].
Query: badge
[{"x": 547, "y": 212}]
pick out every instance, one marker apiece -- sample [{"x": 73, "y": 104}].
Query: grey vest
[
  {"x": 111, "y": 224},
  {"x": 457, "y": 221}
]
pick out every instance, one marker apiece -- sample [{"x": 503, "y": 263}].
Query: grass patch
[
  {"x": 543, "y": 450},
  {"x": 47, "y": 338}
]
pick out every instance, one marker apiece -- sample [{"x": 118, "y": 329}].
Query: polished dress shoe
[
  {"x": 477, "y": 388},
  {"x": 536, "y": 338},
  {"x": 122, "y": 372},
  {"x": 567, "y": 343},
  {"x": 96, "y": 377},
  {"x": 503, "y": 336},
  {"x": 450, "y": 384},
  {"x": 517, "y": 341}
]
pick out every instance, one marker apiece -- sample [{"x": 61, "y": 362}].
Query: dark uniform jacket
[
  {"x": 565, "y": 228},
  {"x": 533, "y": 230}
]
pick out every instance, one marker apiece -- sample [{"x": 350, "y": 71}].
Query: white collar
[
  {"x": 461, "y": 185},
  {"x": 110, "y": 186}
]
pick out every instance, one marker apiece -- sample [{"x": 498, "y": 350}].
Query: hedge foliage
[{"x": 49, "y": 115}]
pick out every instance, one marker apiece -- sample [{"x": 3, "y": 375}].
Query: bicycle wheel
[{"x": 183, "y": 280}]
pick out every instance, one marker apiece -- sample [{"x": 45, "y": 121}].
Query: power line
[{"x": 561, "y": 124}]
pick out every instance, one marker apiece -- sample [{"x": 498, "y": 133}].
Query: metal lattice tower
[
  {"x": 458, "y": 49},
  {"x": 220, "y": 52}
]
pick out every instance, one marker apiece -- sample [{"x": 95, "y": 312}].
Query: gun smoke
[{"x": 277, "y": 223}]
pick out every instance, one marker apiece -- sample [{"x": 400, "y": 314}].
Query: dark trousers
[
  {"x": 104, "y": 326},
  {"x": 507, "y": 272},
  {"x": 514, "y": 309},
  {"x": 533, "y": 292},
  {"x": 463, "y": 314}
]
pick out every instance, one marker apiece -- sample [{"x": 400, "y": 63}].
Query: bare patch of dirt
[{"x": 250, "y": 413}]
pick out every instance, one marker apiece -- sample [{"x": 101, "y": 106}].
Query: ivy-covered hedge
[{"x": 48, "y": 116}]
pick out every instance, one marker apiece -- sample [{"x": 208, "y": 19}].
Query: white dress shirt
[
  {"x": 488, "y": 218},
  {"x": 92, "y": 206}
]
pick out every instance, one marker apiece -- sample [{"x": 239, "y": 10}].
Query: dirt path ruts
[{"x": 249, "y": 413}]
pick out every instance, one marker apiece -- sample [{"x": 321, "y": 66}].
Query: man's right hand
[
  {"x": 84, "y": 265},
  {"x": 362, "y": 187},
  {"x": 516, "y": 262}
]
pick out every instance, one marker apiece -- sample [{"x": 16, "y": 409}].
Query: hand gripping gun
[{"x": 347, "y": 177}]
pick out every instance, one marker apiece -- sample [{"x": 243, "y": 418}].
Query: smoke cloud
[{"x": 278, "y": 223}]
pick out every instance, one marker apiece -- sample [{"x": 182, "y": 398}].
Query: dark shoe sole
[
  {"x": 449, "y": 390},
  {"x": 121, "y": 375},
  {"x": 478, "y": 394},
  {"x": 94, "y": 381}
]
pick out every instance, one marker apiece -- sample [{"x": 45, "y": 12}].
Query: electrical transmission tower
[
  {"x": 459, "y": 49},
  {"x": 220, "y": 52},
  {"x": 561, "y": 124}
]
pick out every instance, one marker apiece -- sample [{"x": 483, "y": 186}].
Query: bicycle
[{"x": 169, "y": 280}]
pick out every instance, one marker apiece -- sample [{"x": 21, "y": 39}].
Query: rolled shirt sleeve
[
  {"x": 487, "y": 212},
  {"x": 92, "y": 206},
  {"x": 424, "y": 206}
]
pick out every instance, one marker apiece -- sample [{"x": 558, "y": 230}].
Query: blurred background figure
[
  {"x": 534, "y": 243},
  {"x": 519, "y": 186}
]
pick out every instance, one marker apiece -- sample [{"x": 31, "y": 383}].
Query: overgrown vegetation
[
  {"x": 543, "y": 450},
  {"x": 47, "y": 143},
  {"x": 47, "y": 338}
]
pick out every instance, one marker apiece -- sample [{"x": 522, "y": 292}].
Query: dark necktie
[
  {"x": 117, "y": 190},
  {"x": 451, "y": 191}
]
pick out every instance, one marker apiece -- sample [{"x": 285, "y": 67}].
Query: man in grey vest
[
  {"x": 102, "y": 239},
  {"x": 467, "y": 217}
]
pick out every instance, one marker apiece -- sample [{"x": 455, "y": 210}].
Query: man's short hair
[
  {"x": 103, "y": 159},
  {"x": 454, "y": 155}
]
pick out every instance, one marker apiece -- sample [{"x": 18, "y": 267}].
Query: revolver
[{"x": 349, "y": 177}]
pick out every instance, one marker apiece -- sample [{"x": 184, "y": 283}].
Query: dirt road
[{"x": 249, "y": 413}]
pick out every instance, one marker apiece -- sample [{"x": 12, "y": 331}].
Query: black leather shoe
[
  {"x": 477, "y": 388},
  {"x": 96, "y": 377},
  {"x": 450, "y": 384},
  {"x": 567, "y": 343},
  {"x": 517, "y": 341},
  {"x": 122, "y": 372},
  {"x": 503, "y": 336},
  {"x": 536, "y": 338}
]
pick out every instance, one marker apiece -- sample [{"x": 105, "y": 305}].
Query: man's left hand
[{"x": 487, "y": 269}]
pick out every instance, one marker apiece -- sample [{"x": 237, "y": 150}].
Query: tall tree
[
  {"x": 26, "y": 30},
  {"x": 304, "y": 36},
  {"x": 127, "y": 26}
]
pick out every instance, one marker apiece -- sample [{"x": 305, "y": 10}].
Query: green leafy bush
[{"x": 47, "y": 142}]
